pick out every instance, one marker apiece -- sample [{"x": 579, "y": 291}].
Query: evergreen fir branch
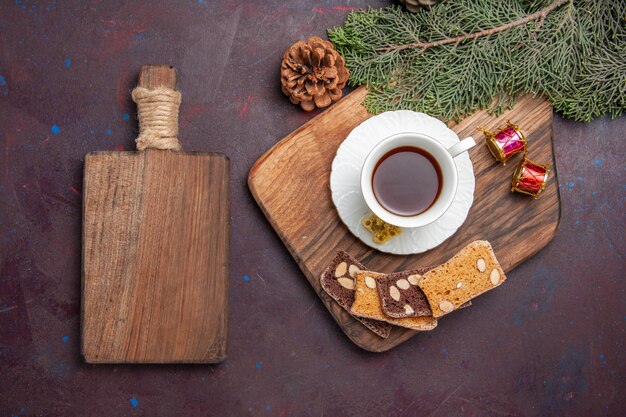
[
  {"x": 540, "y": 15},
  {"x": 484, "y": 53}
]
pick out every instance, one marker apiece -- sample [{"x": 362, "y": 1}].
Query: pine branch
[
  {"x": 540, "y": 15},
  {"x": 573, "y": 52}
]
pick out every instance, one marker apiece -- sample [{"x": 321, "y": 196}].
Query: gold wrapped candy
[{"x": 381, "y": 230}]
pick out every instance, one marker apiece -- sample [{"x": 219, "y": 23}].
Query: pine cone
[
  {"x": 415, "y": 5},
  {"x": 312, "y": 73}
]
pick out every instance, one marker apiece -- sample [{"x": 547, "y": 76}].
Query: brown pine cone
[{"x": 312, "y": 73}]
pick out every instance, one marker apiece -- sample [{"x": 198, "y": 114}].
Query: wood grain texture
[
  {"x": 302, "y": 213},
  {"x": 152, "y": 76},
  {"x": 155, "y": 277},
  {"x": 155, "y": 253}
]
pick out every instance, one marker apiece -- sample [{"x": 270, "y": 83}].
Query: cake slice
[
  {"x": 367, "y": 303},
  {"x": 471, "y": 272},
  {"x": 406, "y": 292},
  {"x": 400, "y": 295},
  {"x": 338, "y": 281}
]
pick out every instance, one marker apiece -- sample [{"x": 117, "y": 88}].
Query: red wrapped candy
[
  {"x": 530, "y": 178},
  {"x": 506, "y": 142}
]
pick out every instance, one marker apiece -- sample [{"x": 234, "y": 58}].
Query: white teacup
[{"x": 445, "y": 160}]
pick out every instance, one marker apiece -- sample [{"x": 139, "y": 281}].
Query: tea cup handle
[{"x": 463, "y": 146}]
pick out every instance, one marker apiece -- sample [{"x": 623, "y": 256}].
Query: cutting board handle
[
  {"x": 158, "y": 101},
  {"x": 154, "y": 76}
]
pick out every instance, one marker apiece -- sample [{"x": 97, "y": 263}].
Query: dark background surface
[{"x": 549, "y": 342}]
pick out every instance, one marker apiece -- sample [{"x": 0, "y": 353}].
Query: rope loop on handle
[{"x": 157, "y": 111}]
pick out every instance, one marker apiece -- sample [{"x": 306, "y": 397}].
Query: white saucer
[{"x": 345, "y": 181}]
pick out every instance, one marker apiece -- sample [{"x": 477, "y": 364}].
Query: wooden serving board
[
  {"x": 290, "y": 182},
  {"x": 155, "y": 253}
]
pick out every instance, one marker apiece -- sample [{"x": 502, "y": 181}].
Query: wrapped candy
[
  {"x": 381, "y": 230},
  {"x": 506, "y": 142},
  {"x": 530, "y": 178}
]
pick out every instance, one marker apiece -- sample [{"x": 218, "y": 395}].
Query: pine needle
[{"x": 463, "y": 55}]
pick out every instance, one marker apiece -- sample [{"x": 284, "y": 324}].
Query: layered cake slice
[
  {"x": 338, "y": 281},
  {"x": 471, "y": 272},
  {"x": 400, "y": 295},
  {"x": 367, "y": 303}
]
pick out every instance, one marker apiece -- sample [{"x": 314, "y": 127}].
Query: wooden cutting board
[
  {"x": 155, "y": 252},
  {"x": 290, "y": 182}
]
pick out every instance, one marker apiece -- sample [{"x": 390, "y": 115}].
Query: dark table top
[{"x": 66, "y": 69}]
